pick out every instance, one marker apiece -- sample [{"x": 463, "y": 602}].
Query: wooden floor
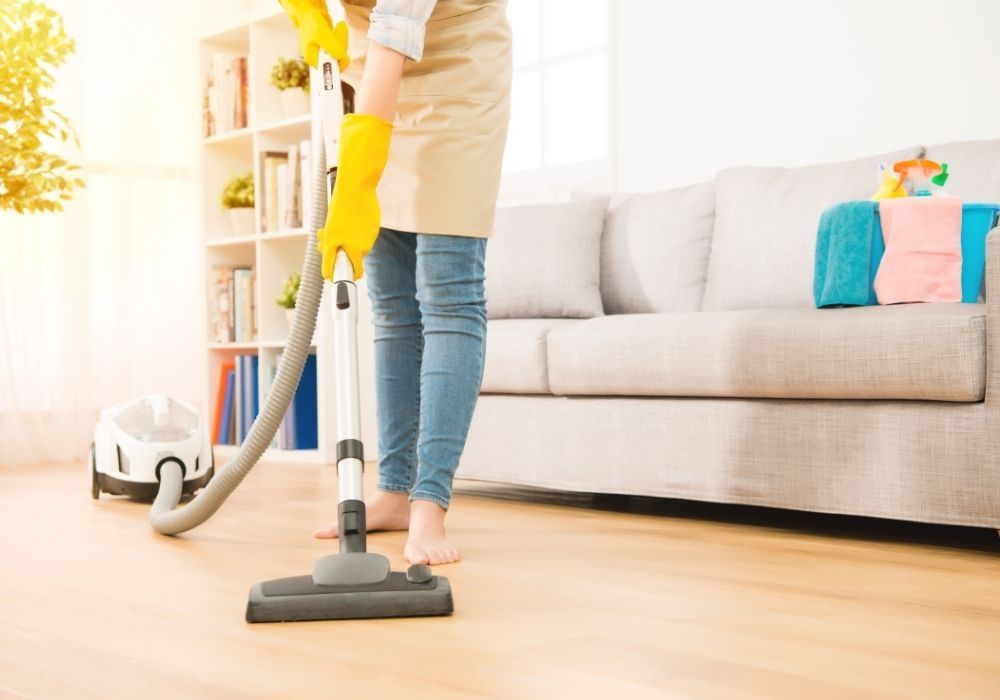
[{"x": 555, "y": 598}]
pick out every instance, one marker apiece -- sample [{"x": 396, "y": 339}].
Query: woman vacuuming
[{"x": 433, "y": 80}]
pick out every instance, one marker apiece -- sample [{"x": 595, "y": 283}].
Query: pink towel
[{"x": 923, "y": 250}]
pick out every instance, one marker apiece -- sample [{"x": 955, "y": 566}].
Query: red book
[{"x": 220, "y": 398}]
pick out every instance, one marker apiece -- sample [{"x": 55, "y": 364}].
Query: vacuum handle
[{"x": 343, "y": 269}]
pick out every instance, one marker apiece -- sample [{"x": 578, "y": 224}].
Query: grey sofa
[{"x": 705, "y": 372}]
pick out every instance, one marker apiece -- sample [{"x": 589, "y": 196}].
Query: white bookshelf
[{"x": 275, "y": 254}]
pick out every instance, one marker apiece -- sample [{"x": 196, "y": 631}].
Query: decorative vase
[
  {"x": 296, "y": 101},
  {"x": 242, "y": 219}
]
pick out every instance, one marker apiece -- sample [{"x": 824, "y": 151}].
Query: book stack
[
  {"x": 238, "y": 401},
  {"x": 224, "y": 101},
  {"x": 232, "y": 305},
  {"x": 283, "y": 176}
]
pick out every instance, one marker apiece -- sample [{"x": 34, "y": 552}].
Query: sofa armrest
[{"x": 992, "y": 273}]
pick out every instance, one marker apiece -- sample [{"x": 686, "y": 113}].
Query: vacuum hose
[{"x": 165, "y": 517}]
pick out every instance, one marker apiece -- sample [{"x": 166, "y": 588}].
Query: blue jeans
[{"x": 429, "y": 316}]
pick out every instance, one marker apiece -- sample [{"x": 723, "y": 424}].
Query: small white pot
[
  {"x": 242, "y": 220},
  {"x": 296, "y": 101}
]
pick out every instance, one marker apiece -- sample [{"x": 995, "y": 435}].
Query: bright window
[{"x": 559, "y": 97}]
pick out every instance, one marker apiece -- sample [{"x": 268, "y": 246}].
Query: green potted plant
[
  {"x": 289, "y": 295},
  {"x": 237, "y": 197},
  {"x": 292, "y": 78}
]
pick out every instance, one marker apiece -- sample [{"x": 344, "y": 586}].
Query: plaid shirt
[{"x": 400, "y": 24}]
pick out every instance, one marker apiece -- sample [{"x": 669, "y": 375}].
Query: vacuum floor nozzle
[{"x": 300, "y": 598}]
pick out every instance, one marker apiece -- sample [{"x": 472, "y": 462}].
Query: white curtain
[{"x": 106, "y": 301}]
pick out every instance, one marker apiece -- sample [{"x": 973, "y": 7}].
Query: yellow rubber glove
[
  {"x": 352, "y": 220},
  {"x": 316, "y": 31}
]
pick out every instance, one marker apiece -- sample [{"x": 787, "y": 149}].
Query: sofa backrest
[
  {"x": 654, "y": 251},
  {"x": 974, "y": 168},
  {"x": 765, "y": 229},
  {"x": 544, "y": 260}
]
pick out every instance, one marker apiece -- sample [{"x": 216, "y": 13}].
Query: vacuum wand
[
  {"x": 335, "y": 100},
  {"x": 350, "y": 450}
]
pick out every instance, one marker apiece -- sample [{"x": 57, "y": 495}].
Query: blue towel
[{"x": 849, "y": 247}]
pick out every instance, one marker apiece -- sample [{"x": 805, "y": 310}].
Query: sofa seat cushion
[
  {"x": 907, "y": 351},
  {"x": 516, "y": 360}
]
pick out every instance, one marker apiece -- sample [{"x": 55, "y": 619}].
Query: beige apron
[{"x": 447, "y": 146}]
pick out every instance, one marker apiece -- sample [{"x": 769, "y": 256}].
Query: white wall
[{"x": 701, "y": 85}]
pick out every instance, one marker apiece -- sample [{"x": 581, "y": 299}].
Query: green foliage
[
  {"x": 33, "y": 43},
  {"x": 293, "y": 73},
  {"x": 238, "y": 192},
  {"x": 290, "y": 294}
]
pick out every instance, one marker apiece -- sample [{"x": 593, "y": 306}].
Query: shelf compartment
[
  {"x": 287, "y": 233},
  {"x": 280, "y": 257},
  {"x": 272, "y": 38},
  {"x": 222, "y": 242},
  {"x": 289, "y": 130},
  {"x": 235, "y": 140}
]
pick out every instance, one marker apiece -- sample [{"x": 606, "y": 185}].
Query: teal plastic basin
[{"x": 977, "y": 221}]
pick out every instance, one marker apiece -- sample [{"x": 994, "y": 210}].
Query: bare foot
[
  {"x": 427, "y": 543},
  {"x": 383, "y": 511}
]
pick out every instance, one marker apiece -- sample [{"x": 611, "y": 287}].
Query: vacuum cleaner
[
  {"x": 354, "y": 583},
  {"x": 134, "y": 439}
]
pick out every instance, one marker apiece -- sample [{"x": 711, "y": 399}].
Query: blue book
[
  {"x": 289, "y": 426},
  {"x": 304, "y": 427},
  {"x": 247, "y": 394},
  {"x": 236, "y": 431},
  {"x": 227, "y": 409},
  {"x": 253, "y": 365}
]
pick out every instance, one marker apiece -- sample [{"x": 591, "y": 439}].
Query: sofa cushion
[
  {"x": 909, "y": 351},
  {"x": 974, "y": 169},
  {"x": 765, "y": 229},
  {"x": 516, "y": 355},
  {"x": 654, "y": 253},
  {"x": 544, "y": 261}
]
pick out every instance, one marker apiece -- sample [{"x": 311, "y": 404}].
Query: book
[
  {"x": 270, "y": 160},
  {"x": 236, "y": 432},
  {"x": 225, "y": 94},
  {"x": 207, "y": 121},
  {"x": 243, "y": 306},
  {"x": 224, "y": 436},
  {"x": 247, "y": 396},
  {"x": 240, "y": 107},
  {"x": 281, "y": 177},
  {"x": 231, "y": 294},
  {"x": 219, "y": 308},
  {"x": 266, "y": 381},
  {"x": 305, "y": 431},
  {"x": 218, "y": 436},
  {"x": 305, "y": 180},
  {"x": 292, "y": 192}
]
